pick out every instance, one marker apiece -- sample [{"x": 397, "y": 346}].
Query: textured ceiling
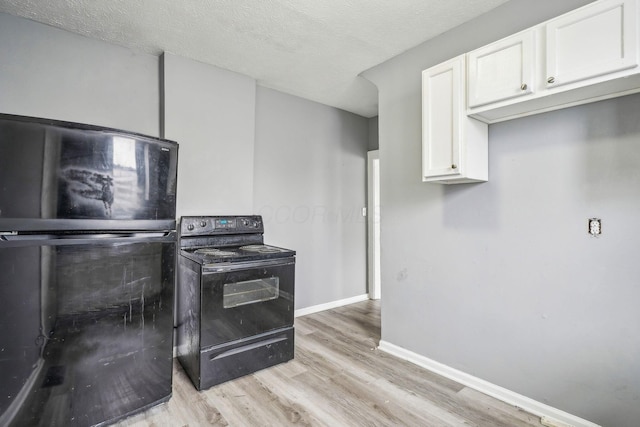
[{"x": 310, "y": 48}]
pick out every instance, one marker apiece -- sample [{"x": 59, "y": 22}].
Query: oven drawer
[{"x": 225, "y": 362}]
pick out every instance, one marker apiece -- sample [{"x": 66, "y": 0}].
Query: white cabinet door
[
  {"x": 594, "y": 40},
  {"x": 441, "y": 100},
  {"x": 454, "y": 146},
  {"x": 502, "y": 70}
]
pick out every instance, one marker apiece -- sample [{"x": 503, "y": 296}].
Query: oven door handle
[{"x": 221, "y": 268}]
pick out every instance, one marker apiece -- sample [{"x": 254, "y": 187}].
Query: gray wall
[
  {"x": 47, "y": 72},
  {"x": 211, "y": 113},
  {"x": 500, "y": 279},
  {"x": 310, "y": 185},
  {"x": 303, "y": 160},
  {"x": 373, "y": 134}
]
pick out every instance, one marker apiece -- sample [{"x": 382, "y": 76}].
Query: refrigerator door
[
  {"x": 87, "y": 334},
  {"x": 64, "y": 176}
]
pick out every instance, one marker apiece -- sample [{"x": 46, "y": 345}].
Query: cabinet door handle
[
  {"x": 523, "y": 86},
  {"x": 551, "y": 79},
  {"x": 454, "y": 167}
]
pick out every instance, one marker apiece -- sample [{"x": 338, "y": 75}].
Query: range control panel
[{"x": 210, "y": 225}]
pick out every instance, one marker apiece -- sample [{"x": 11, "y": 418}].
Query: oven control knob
[
  {"x": 203, "y": 223},
  {"x": 190, "y": 227}
]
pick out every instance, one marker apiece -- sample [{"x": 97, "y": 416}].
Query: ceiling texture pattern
[{"x": 314, "y": 49}]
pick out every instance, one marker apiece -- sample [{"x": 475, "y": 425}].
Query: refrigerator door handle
[{"x": 18, "y": 237}]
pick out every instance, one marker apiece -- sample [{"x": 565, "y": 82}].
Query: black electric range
[{"x": 235, "y": 300}]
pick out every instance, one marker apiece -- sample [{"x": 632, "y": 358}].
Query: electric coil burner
[{"x": 235, "y": 299}]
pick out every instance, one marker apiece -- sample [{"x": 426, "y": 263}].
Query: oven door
[{"x": 246, "y": 299}]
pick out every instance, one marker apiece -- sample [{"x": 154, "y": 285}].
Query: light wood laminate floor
[{"x": 338, "y": 378}]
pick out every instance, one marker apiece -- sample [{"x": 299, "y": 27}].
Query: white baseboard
[
  {"x": 330, "y": 305},
  {"x": 552, "y": 416}
]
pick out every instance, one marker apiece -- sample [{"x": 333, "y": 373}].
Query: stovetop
[
  {"x": 214, "y": 255},
  {"x": 226, "y": 239}
]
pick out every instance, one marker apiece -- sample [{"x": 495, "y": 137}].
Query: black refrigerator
[{"x": 87, "y": 266}]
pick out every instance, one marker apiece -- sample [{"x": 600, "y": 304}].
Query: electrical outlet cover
[{"x": 595, "y": 226}]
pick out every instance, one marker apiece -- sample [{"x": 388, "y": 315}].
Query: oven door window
[{"x": 250, "y": 292}]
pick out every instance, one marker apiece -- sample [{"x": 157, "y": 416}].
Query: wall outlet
[{"x": 595, "y": 226}]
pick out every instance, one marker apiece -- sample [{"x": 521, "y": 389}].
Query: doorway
[{"x": 373, "y": 224}]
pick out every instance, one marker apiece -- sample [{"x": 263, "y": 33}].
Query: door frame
[{"x": 373, "y": 224}]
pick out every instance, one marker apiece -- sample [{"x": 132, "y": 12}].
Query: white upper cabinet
[
  {"x": 501, "y": 70},
  {"x": 454, "y": 146},
  {"x": 441, "y": 99},
  {"x": 592, "y": 41},
  {"x": 586, "y": 55}
]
